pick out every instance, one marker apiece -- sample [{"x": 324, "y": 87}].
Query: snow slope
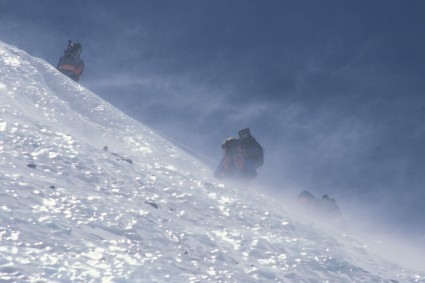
[{"x": 143, "y": 210}]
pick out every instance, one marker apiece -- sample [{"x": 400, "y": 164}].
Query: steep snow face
[{"x": 90, "y": 195}]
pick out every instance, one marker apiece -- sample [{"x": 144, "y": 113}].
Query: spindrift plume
[{"x": 90, "y": 195}]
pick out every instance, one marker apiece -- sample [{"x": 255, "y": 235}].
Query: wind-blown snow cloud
[
  {"x": 141, "y": 209},
  {"x": 334, "y": 92}
]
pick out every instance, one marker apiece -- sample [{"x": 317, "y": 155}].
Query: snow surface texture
[{"x": 140, "y": 210}]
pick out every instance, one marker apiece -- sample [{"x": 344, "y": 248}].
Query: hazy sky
[{"x": 333, "y": 90}]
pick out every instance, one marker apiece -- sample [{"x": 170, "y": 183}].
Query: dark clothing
[
  {"x": 324, "y": 208},
  {"x": 71, "y": 66},
  {"x": 234, "y": 164},
  {"x": 73, "y": 49},
  {"x": 241, "y": 157},
  {"x": 306, "y": 198},
  {"x": 329, "y": 206},
  {"x": 70, "y": 63},
  {"x": 253, "y": 151}
]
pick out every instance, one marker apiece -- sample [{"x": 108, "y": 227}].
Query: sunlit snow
[{"x": 90, "y": 195}]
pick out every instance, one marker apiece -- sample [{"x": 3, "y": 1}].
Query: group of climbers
[
  {"x": 242, "y": 156},
  {"x": 324, "y": 208}
]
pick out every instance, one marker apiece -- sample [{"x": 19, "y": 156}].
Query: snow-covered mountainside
[{"x": 90, "y": 195}]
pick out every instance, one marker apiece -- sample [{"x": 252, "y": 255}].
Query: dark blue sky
[{"x": 334, "y": 90}]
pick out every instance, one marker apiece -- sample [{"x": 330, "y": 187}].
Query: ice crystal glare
[{"x": 140, "y": 209}]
